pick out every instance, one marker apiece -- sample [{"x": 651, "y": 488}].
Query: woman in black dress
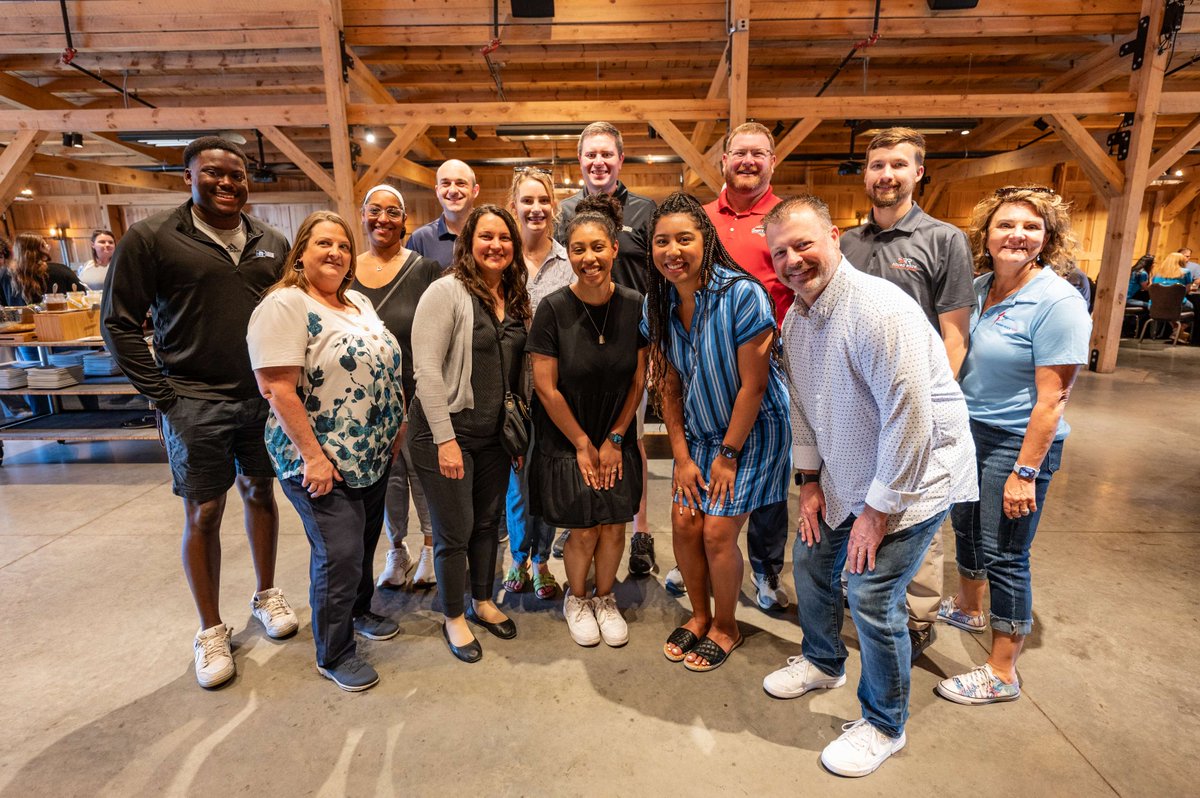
[{"x": 589, "y": 362}]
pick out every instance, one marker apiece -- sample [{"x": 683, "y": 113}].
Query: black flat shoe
[
  {"x": 471, "y": 652},
  {"x": 505, "y": 630}
]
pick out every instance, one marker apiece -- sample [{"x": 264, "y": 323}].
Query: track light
[
  {"x": 651, "y": 132},
  {"x": 370, "y": 136},
  {"x": 72, "y": 140},
  {"x": 453, "y": 137},
  {"x": 779, "y": 128},
  {"x": 471, "y": 134}
]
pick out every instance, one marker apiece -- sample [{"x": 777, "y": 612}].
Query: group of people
[{"x": 869, "y": 369}]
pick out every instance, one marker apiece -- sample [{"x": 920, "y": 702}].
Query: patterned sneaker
[
  {"x": 425, "y": 576},
  {"x": 556, "y": 550},
  {"x": 978, "y": 686},
  {"x": 948, "y": 612},
  {"x": 860, "y": 750},
  {"x": 270, "y": 607},
  {"x": 395, "y": 570},
  {"x": 641, "y": 554},
  {"x": 673, "y": 582},
  {"x": 214, "y": 657},
  {"x": 581, "y": 620},
  {"x": 613, "y": 628}
]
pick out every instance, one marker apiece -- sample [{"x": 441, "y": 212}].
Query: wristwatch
[
  {"x": 801, "y": 478},
  {"x": 616, "y": 437},
  {"x": 728, "y": 452},
  {"x": 1025, "y": 472}
]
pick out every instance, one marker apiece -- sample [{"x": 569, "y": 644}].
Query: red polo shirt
[{"x": 744, "y": 237}]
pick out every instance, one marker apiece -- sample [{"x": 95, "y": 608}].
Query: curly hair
[
  {"x": 512, "y": 281},
  {"x": 1058, "y": 250},
  {"x": 293, "y": 276},
  {"x": 658, "y": 295}
]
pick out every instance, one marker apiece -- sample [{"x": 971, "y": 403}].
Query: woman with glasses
[
  {"x": 531, "y": 199},
  {"x": 394, "y": 278},
  {"x": 1029, "y": 336}
]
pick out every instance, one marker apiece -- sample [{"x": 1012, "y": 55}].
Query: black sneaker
[
  {"x": 557, "y": 549},
  {"x": 375, "y": 627},
  {"x": 641, "y": 554},
  {"x": 921, "y": 640},
  {"x": 352, "y": 674}
]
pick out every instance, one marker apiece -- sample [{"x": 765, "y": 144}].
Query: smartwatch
[
  {"x": 801, "y": 478},
  {"x": 728, "y": 452},
  {"x": 1025, "y": 472},
  {"x": 616, "y": 437}
]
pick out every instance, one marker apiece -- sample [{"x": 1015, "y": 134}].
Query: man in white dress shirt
[{"x": 883, "y": 449}]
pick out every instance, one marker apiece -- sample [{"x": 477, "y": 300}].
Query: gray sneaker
[
  {"x": 375, "y": 627},
  {"x": 352, "y": 674}
]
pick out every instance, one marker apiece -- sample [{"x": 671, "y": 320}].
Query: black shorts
[{"x": 209, "y": 442}]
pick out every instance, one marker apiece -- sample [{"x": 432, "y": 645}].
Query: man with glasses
[
  {"x": 931, "y": 261},
  {"x": 456, "y": 190}
]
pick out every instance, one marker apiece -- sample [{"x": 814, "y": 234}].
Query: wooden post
[
  {"x": 336, "y": 95},
  {"x": 1159, "y": 225},
  {"x": 739, "y": 61},
  {"x": 1124, "y": 210}
]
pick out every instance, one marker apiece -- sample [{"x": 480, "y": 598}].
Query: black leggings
[{"x": 465, "y": 514}]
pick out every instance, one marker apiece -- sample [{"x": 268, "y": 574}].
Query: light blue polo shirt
[{"x": 1045, "y": 323}]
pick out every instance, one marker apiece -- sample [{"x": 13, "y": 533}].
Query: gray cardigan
[{"x": 441, "y": 346}]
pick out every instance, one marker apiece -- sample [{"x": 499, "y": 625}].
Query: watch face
[{"x": 1025, "y": 472}]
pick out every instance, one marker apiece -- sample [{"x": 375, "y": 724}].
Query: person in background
[
  {"x": 589, "y": 364},
  {"x": 394, "y": 278},
  {"x": 330, "y": 370},
  {"x": 601, "y": 152},
  {"x": 94, "y": 271},
  {"x": 531, "y": 199},
  {"x": 1079, "y": 281},
  {"x": 1029, "y": 336},
  {"x": 724, "y": 399},
  {"x": 15, "y": 407},
  {"x": 203, "y": 267},
  {"x": 1172, "y": 270},
  {"x": 471, "y": 345},
  {"x": 456, "y": 189},
  {"x": 1139, "y": 277}
]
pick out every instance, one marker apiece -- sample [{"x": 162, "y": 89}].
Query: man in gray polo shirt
[{"x": 931, "y": 261}]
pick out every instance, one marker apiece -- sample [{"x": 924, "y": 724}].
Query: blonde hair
[
  {"x": 541, "y": 178},
  {"x": 1170, "y": 267},
  {"x": 750, "y": 129},
  {"x": 1058, "y": 249},
  {"x": 293, "y": 276}
]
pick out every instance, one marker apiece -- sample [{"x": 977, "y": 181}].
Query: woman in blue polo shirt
[
  {"x": 723, "y": 396},
  {"x": 1029, "y": 336}
]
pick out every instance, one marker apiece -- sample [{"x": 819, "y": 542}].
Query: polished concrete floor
[{"x": 99, "y": 698}]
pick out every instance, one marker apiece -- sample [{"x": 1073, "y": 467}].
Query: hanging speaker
[
  {"x": 533, "y": 8},
  {"x": 951, "y": 5}
]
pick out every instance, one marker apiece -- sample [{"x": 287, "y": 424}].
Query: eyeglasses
[
  {"x": 1012, "y": 191},
  {"x": 393, "y": 213},
  {"x": 758, "y": 155}
]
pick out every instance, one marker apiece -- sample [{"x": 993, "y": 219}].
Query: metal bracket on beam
[
  {"x": 347, "y": 61},
  {"x": 740, "y": 26},
  {"x": 1119, "y": 141},
  {"x": 1138, "y": 45}
]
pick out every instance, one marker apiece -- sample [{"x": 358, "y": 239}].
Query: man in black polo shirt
[
  {"x": 201, "y": 269},
  {"x": 601, "y": 153},
  {"x": 931, "y": 261}
]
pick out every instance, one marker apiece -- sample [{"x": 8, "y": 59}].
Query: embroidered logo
[
  {"x": 906, "y": 264},
  {"x": 1004, "y": 323},
  {"x": 760, "y": 230},
  {"x": 626, "y": 229},
  {"x": 263, "y": 253}
]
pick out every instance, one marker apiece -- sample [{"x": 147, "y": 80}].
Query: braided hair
[{"x": 658, "y": 295}]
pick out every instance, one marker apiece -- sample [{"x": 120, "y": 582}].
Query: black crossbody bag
[{"x": 515, "y": 426}]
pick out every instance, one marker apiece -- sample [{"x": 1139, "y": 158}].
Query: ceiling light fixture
[
  {"x": 453, "y": 137},
  {"x": 1179, "y": 173},
  {"x": 369, "y": 136},
  {"x": 471, "y": 134}
]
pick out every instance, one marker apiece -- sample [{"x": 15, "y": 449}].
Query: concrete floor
[{"x": 99, "y": 696}]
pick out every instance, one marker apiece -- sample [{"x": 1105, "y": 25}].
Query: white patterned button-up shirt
[{"x": 874, "y": 403}]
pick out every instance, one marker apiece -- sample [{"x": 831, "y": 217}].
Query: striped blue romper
[{"x": 730, "y": 312}]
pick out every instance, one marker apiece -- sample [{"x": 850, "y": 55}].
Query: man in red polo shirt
[{"x": 748, "y": 164}]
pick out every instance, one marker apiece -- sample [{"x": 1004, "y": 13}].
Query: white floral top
[{"x": 349, "y": 380}]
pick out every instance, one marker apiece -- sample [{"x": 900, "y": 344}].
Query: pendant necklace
[{"x": 604, "y": 324}]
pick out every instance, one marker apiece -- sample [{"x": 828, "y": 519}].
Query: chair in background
[
  {"x": 1166, "y": 304},
  {"x": 1137, "y": 314}
]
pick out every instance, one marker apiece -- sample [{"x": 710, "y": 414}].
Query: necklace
[{"x": 604, "y": 324}]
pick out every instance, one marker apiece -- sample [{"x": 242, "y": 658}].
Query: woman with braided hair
[{"x": 723, "y": 396}]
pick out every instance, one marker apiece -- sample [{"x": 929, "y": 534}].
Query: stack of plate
[
  {"x": 100, "y": 364},
  {"x": 55, "y": 377},
  {"x": 12, "y": 377},
  {"x": 65, "y": 359}
]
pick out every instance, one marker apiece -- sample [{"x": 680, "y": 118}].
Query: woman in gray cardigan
[{"x": 468, "y": 342}]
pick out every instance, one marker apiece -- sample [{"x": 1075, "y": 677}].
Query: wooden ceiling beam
[
  {"x": 688, "y": 152},
  {"x": 1045, "y": 153},
  {"x": 313, "y": 170},
  {"x": 792, "y": 139},
  {"x": 14, "y": 163},
  {"x": 363, "y": 78},
  {"x": 387, "y": 159},
  {"x": 91, "y": 172},
  {"x": 1187, "y": 192},
  {"x": 337, "y": 94},
  {"x": 1105, "y": 176},
  {"x": 1175, "y": 149}
]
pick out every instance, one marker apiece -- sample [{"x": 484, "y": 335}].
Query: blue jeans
[
  {"x": 343, "y": 528},
  {"x": 767, "y": 537},
  {"x": 529, "y": 538},
  {"x": 877, "y": 605},
  {"x": 992, "y": 546}
]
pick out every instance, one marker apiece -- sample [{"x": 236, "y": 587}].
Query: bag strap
[
  {"x": 405, "y": 270},
  {"x": 499, "y": 348}
]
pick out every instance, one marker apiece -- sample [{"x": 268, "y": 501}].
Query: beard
[{"x": 889, "y": 196}]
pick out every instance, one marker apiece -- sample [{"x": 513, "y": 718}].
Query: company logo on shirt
[
  {"x": 906, "y": 264},
  {"x": 1004, "y": 323},
  {"x": 760, "y": 230},
  {"x": 263, "y": 253}
]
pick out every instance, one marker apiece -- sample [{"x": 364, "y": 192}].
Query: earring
[{"x": 299, "y": 266}]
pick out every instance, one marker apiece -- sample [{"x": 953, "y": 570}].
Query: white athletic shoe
[
  {"x": 396, "y": 569},
  {"x": 798, "y": 677},
  {"x": 273, "y": 610},
  {"x": 860, "y": 750},
  {"x": 673, "y": 582},
  {"x": 425, "y": 576},
  {"x": 214, "y": 656},
  {"x": 613, "y": 628},
  {"x": 581, "y": 620}
]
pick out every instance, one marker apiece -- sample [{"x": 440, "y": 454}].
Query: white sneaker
[
  {"x": 860, "y": 750},
  {"x": 395, "y": 570},
  {"x": 581, "y": 620},
  {"x": 798, "y": 677},
  {"x": 613, "y": 628},
  {"x": 425, "y": 576},
  {"x": 272, "y": 609},
  {"x": 771, "y": 595},
  {"x": 214, "y": 657},
  {"x": 673, "y": 582}
]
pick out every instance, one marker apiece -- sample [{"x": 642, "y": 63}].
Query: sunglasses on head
[{"x": 1012, "y": 191}]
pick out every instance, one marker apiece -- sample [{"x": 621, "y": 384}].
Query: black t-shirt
[
  {"x": 397, "y": 307},
  {"x": 56, "y": 274},
  {"x": 594, "y": 378}
]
